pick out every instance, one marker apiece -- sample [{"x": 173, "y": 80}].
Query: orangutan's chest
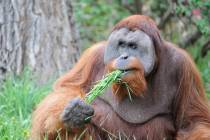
[
  {"x": 137, "y": 110},
  {"x": 109, "y": 121}
]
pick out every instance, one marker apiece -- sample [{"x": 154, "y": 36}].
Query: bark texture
[{"x": 39, "y": 34}]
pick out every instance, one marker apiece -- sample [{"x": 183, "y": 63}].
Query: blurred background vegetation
[{"x": 183, "y": 22}]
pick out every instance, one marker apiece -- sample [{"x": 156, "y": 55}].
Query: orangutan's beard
[{"x": 133, "y": 84}]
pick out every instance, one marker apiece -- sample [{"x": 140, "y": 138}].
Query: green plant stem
[{"x": 99, "y": 88}]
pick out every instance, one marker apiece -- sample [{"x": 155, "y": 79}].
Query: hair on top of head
[{"x": 136, "y": 22}]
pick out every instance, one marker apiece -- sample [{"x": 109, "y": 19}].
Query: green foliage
[
  {"x": 95, "y": 19},
  {"x": 201, "y": 20},
  {"x": 99, "y": 88},
  {"x": 158, "y": 7},
  {"x": 18, "y": 97}
]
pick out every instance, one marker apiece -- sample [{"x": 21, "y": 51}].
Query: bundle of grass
[{"x": 99, "y": 88}]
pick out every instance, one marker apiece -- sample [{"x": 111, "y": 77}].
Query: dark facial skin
[{"x": 124, "y": 46}]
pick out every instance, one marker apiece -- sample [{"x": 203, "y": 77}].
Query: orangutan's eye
[{"x": 132, "y": 45}]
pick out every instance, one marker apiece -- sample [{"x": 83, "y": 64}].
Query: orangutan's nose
[{"x": 124, "y": 56}]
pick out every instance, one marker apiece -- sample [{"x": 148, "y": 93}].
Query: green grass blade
[{"x": 99, "y": 88}]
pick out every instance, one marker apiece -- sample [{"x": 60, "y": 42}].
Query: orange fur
[
  {"x": 192, "y": 111},
  {"x": 46, "y": 118},
  {"x": 199, "y": 132}
]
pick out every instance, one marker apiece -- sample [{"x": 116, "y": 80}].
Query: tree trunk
[{"x": 39, "y": 34}]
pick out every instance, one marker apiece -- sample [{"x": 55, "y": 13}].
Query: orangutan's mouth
[{"x": 128, "y": 71}]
